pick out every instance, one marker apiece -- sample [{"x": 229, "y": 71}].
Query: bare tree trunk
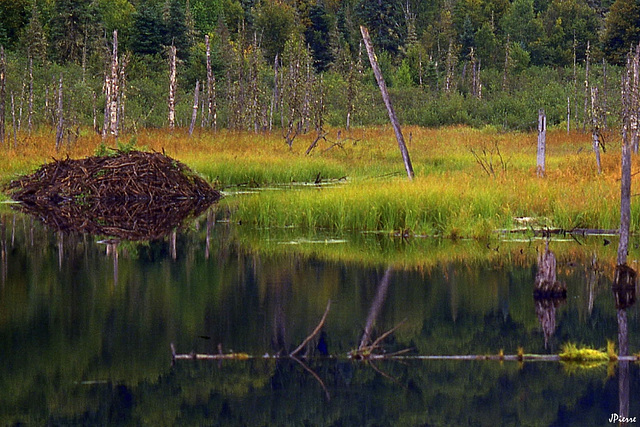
[
  {"x": 586, "y": 86},
  {"x": 505, "y": 73},
  {"x": 629, "y": 111},
  {"x": 604, "y": 93},
  {"x": 107, "y": 104},
  {"x": 212, "y": 107},
  {"x": 387, "y": 101},
  {"x": 542, "y": 143},
  {"x": 3, "y": 93},
  {"x": 274, "y": 99},
  {"x": 30, "y": 112},
  {"x": 172, "y": 87},
  {"x": 450, "y": 64},
  {"x": 194, "y": 113},
  {"x": 13, "y": 118},
  {"x": 60, "y": 127},
  {"x": 595, "y": 126},
  {"x": 568, "y": 115},
  {"x": 113, "y": 101}
]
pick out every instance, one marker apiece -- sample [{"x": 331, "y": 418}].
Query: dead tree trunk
[
  {"x": 172, "y": 87},
  {"x": 387, "y": 101},
  {"x": 212, "y": 113},
  {"x": 629, "y": 111},
  {"x": 3, "y": 93},
  {"x": 30, "y": 106},
  {"x": 60, "y": 114},
  {"x": 595, "y": 126},
  {"x": 542, "y": 143},
  {"x": 13, "y": 121},
  {"x": 113, "y": 104},
  {"x": 586, "y": 86},
  {"x": 194, "y": 113}
]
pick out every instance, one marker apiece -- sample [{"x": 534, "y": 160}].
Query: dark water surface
[{"x": 86, "y": 329}]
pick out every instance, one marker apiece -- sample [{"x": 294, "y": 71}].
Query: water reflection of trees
[{"x": 77, "y": 327}]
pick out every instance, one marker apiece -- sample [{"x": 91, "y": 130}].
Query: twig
[{"x": 314, "y": 333}]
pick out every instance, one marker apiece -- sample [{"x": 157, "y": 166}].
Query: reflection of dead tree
[
  {"x": 367, "y": 347},
  {"x": 376, "y": 307},
  {"x": 546, "y": 312}
]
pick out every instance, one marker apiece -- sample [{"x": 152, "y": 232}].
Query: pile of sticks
[{"x": 133, "y": 195}]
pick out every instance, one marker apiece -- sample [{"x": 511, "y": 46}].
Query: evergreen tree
[
  {"x": 384, "y": 19},
  {"x": 148, "y": 33},
  {"x": 14, "y": 16},
  {"x": 34, "y": 39},
  {"x": 317, "y": 36},
  {"x": 176, "y": 30},
  {"x": 73, "y": 29},
  {"x": 622, "y": 30}
]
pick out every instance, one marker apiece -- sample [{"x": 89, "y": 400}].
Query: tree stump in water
[{"x": 546, "y": 285}]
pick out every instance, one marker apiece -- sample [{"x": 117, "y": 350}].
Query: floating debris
[{"x": 131, "y": 195}]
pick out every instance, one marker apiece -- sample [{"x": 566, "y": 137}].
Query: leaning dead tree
[{"x": 387, "y": 101}]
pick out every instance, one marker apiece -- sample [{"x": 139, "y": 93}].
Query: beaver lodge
[{"x": 131, "y": 195}]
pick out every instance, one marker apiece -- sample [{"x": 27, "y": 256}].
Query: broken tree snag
[
  {"x": 595, "y": 127},
  {"x": 194, "y": 113},
  {"x": 172, "y": 87},
  {"x": 542, "y": 142},
  {"x": 60, "y": 116},
  {"x": 546, "y": 284},
  {"x": 629, "y": 95},
  {"x": 387, "y": 101},
  {"x": 113, "y": 101}
]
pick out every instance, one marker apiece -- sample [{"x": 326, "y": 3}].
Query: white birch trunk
[{"x": 172, "y": 87}]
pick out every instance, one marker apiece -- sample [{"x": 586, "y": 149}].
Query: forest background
[{"x": 300, "y": 64}]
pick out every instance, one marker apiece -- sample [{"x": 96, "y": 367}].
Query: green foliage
[
  {"x": 148, "y": 30},
  {"x": 275, "y": 22},
  {"x": 622, "y": 30}
]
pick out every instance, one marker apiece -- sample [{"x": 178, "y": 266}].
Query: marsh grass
[{"x": 452, "y": 195}]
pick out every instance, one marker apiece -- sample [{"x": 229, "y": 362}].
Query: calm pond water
[{"x": 86, "y": 329}]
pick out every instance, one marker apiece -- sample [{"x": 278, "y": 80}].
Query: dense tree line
[{"x": 468, "y": 48}]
